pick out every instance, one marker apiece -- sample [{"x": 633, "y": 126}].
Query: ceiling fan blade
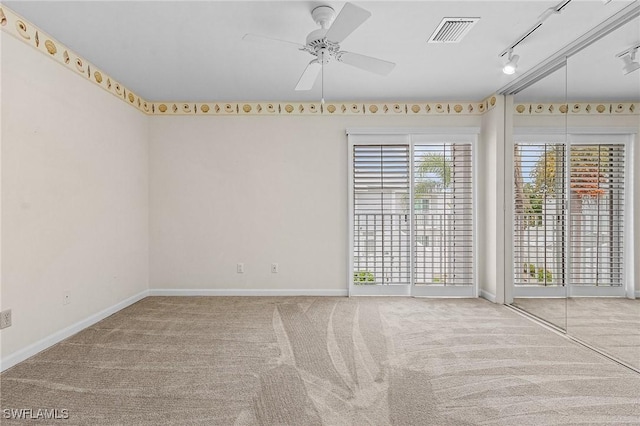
[
  {"x": 366, "y": 63},
  {"x": 349, "y": 18},
  {"x": 254, "y": 38},
  {"x": 309, "y": 76}
]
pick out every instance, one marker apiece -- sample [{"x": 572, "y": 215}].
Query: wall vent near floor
[{"x": 452, "y": 30}]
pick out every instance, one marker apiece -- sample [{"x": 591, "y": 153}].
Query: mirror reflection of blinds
[
  {"x": 443, "y": 214},
  {"x": 597, "y": 214},
  {"x": 540, "y": 227},
  {"x": 381, "y": 186},
  {"x": 585, "y": 241}
]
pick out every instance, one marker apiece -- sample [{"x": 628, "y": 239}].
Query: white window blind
[
  {"x": 381, "y": 190},
  {"x": 443, "y": 214}
]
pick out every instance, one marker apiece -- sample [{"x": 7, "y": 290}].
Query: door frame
[{"x": 410, "y": 137}]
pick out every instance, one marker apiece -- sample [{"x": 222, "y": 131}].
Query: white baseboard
[
  {"x": 245, "y": 292},
  {"x": 489, "y": 296},
  {"x": 21, "y": 355}
]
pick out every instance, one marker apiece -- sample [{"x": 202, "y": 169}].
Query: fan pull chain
[{"x": 322, "y": 80}]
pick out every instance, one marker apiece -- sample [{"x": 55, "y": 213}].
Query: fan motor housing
[
  {"x": 317, "y": 43},
  {"x": 316, "y": 36}
]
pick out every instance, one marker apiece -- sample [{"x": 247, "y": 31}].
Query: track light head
[
  {"x": 630, "y": 65},
  {"x": 512, "y": 65}
]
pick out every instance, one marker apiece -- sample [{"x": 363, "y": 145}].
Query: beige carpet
[
  {"x": 334, "y": 361},
  {"x": 611, "y": 324}
]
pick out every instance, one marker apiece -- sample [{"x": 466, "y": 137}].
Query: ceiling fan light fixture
[{"x": 512, "y": 65}]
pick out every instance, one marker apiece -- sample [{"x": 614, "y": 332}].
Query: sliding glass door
[{"x": 411, "y": 215}]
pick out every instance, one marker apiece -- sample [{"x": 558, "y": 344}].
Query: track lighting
[
  {"x": 512, "y": 64},
  {"x": 629, "y": 59}
]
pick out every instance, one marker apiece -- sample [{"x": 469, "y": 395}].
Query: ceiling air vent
[{"x": 452, "y": 30}]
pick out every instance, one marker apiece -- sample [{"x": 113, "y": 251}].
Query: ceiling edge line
[
  {"x": 30, "y": 34},
  {"x": 25, "y": 31}
]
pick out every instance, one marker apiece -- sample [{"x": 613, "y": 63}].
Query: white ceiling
[{"x": 193, "y": 50}]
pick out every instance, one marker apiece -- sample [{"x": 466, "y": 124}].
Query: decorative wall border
[
  {"x": 28, "y": 33},
  {"x": 577, "y": 108},
  {"x": 316, "y": 108}
]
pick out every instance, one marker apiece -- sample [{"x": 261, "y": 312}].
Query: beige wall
[
  {"x": 255, "y": 190},
  {"x": 74, "y": 197},
  {"x": 490, "y": 228}
]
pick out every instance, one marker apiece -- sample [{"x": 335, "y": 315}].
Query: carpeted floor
[
  {"x": 334, "y": 361},
  {"x": 610, "y": 324}
]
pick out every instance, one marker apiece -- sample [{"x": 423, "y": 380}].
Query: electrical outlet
[
  {"x": 5, "y": 318},
  {"x": 240, "y": 268},
  {"x": 66, "y": 297},
  {"x": 274, "y": 268}
]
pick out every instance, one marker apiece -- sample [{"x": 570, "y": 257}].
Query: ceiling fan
[{"x": 324, "y": 43}]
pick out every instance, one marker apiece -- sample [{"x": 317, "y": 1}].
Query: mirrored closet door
[
  {"x": 573, "y": 167},
  {"x": 603, "y": 88}
]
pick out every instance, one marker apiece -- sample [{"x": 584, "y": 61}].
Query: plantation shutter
[
  {"x": 381, "y": 226},
  {"x": 540, "y": 228},
  {"x": 597, "y": 214},
  {"x": 443, "y": 214}
]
